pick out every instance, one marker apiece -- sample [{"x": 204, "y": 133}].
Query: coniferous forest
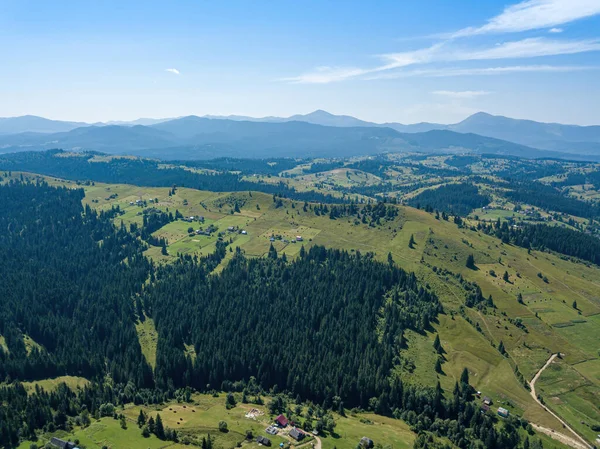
[{"x": 330, "y": 323}]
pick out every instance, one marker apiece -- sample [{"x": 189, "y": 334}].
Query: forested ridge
[
  {"x": 549, "y": 198},
  {"x": 556, "y": 238},
  {"x": 327, "y": 324},
  {"x": 147, "y": 172},
  {"x": 457, "y": 199}
]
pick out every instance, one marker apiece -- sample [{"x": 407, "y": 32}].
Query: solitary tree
[
  {"x": 411, "y": 242},
  {"x": 437, "y": 345},
  {"x": 464, "y": 377},
  {"x": 505, "y": 277},
  {"x": 471, "y": 262}
]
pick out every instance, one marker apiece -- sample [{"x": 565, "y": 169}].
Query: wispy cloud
[
  {"x": 464, "y": 94},
  {"x": 443, "y": 52},
  {"x": 484, "y": 71},
  {"x": 534, "y": 15},
  {"x": 174, "y": 71},
  {"x": 527, "y": 48},
  {"x": 523, "y": 16}
]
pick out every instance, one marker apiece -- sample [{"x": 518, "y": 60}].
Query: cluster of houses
[
  {"x": 199, "y": 218},
  {"x": 487, "y": 403},
  {"x": 237, "y": 229},
  {"x": 281, "y": 422},
  {"x": 297, "y": 239}
]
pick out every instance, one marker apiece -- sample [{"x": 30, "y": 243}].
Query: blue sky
[{"x": 405, "y": 61}]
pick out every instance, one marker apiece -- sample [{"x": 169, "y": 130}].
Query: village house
[
  {"x": 297, "y": 434},
  {"x": 57, "y": 442},
  {"x": 487, "y": 401},
  {"x": 263, "y": 440},
  {"x": 503, "y": 412},
  {"x": 281, "y": 421}
]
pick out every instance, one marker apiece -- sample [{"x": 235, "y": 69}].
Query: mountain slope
[
  {"x": 34, "y": 124},
  {"x": 551, "y": 136}
]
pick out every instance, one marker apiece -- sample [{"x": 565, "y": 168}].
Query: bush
[{"x": 223, "y": 426}]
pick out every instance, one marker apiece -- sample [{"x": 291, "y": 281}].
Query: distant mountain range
[{"x": 316, "y": 134}]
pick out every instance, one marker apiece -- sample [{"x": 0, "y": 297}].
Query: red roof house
[{"x": 282, "y": 421}]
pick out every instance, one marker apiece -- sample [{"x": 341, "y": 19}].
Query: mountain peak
[{"x": 319, "y": 113}]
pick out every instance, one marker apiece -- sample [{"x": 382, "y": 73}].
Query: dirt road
[{"x": 577, "y": 442}]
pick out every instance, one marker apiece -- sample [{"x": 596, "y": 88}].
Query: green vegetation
[{"x": 502, "y": 327}]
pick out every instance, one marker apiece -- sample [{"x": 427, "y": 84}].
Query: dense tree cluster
[
  {"x": 323, "y": 341},
  {"x": 549, "y": 198},
  {"x": 68, "y": 276},
  {"x": 372, "y": 214},
  {"x": 543, "y": 237},
  {"x": 318, "y": 167},
  {"x": 376, "y": 166},
  {"x": 456, "y": 199}
]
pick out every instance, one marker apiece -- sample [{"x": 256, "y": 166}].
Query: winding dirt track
[{"x": 578, "y": 442}]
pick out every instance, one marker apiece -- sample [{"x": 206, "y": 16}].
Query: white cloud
[
  {"x": 534, "y": 15},
  {"x": 525, "y": 48},
  {"x": 323, "y": 75},
  {"x": 464, "y": 94},
  {"x": 174, "y": 71},
  {"x": 482, "y": 71},
  {"x": 528, "y": 48},
  {"x": 555, "y": 30}
]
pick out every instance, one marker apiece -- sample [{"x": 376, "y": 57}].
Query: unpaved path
[{"x": 578, "y": 442}]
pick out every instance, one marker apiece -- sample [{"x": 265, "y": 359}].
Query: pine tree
[
  {"x": 505, "y": 277},
  {"x": 151, "y": 424},
  {"x": 438, "y": 366},
  {"x": 501, "y": 348},
  {"x": 464, "y": 377},
  {"x": 471, "y": 262},
  {"x": 159, "y": 430},
  {"x": 272, "y": 252},
  {"x": 141, "y": 418},
  {"x": 411, "y": 242},
  {"x": 436, "y": 343}
]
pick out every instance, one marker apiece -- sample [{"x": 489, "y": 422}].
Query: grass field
[
  {"x": 148, "y": 339},
  {"x": 72, "y": 382},
  {"x": 546, "y": 323},
  {"x": 201, "y": 418}
]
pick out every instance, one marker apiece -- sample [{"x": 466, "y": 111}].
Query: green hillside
[{"x": 544, "y": 323}]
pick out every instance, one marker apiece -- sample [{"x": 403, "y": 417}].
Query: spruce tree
[
  {"x": 471, "y": 262},
  {"x": 141, "y": 418},
  {"x": 159, "y": 430}
]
